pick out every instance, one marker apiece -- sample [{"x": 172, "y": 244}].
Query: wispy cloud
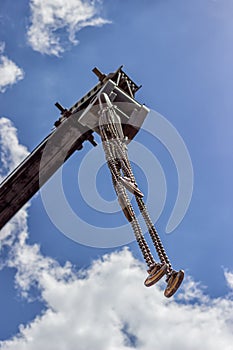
[
  {"x": 106, "y": 307},
  {"x": 10, "y": 73},
  {"x": 52, "y": 19}
]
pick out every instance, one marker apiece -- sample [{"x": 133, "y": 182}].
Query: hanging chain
[
  {"x": 127, "y": 171},
  {"x": 117, "y": 158},
  {"x": 107, "y": 133},
  {"x": 115, "y": 149},
  {"x": 120, "y": 149}
]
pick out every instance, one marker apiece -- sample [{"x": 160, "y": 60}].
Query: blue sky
[{"x": 181, "y": 52}]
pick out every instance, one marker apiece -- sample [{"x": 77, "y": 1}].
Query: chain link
[{"x": 117, "y": 159}]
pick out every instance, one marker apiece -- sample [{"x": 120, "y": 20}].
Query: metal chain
[
  {"x": 154, "y": 234},
  {"x": 113, "y": 163},
  {"x": 123, "y": 178},
  {"x": 127, "y": 171}
]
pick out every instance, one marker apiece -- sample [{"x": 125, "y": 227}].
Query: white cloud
[
  {"x": 10, "y": 73},
  {"x": 107, "y": 307},
  {"x": 229, "y": 278},
  {"x": 12, "y": 153},
  {"x": 51, "y": 19}
]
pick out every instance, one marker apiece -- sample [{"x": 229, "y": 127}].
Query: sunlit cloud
[
  {"x": 54, "y": 23},
  {"x": 10, "y": 73},
  {"x": 12, "y": 153}
]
